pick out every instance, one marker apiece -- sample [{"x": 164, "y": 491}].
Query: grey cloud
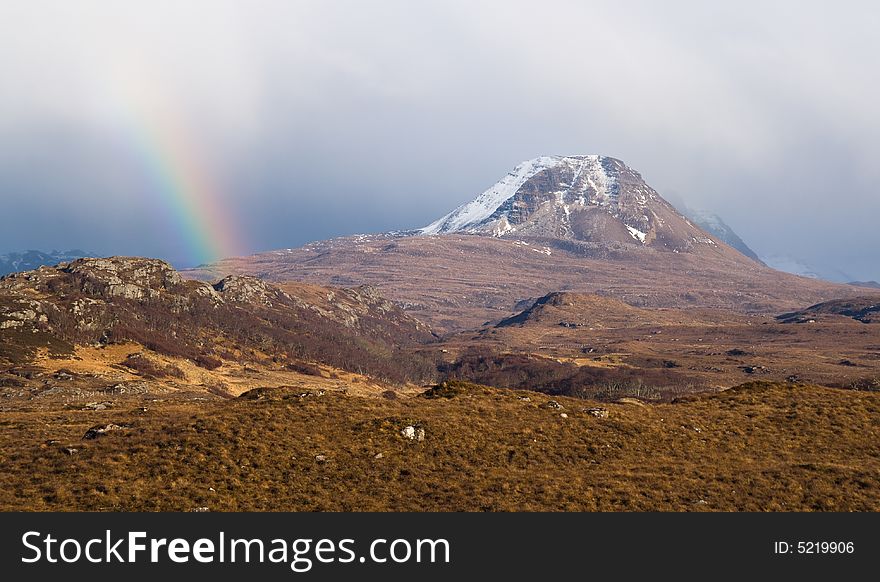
[{"x": 322, "y": 118}]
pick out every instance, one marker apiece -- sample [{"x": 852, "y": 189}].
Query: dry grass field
[{"x": 757, "y": 447}]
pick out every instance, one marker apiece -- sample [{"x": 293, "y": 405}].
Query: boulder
[
  {"x": 413, "y": 433},
  {"x": 101, "y": 430}
]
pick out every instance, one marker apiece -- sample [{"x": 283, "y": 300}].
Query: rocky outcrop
[
  {"x": 244, "y": 289},
  {"x": 126, "y": 277},
  {"x": 20, "y": 313},
  {"x": 413, "y": 433}
]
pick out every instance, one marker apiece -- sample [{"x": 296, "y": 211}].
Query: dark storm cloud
[{"x": 327, "y": 118}]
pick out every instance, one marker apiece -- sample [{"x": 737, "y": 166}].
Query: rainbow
[
  {"x": 182, "y": 183},
  {"x": 178, "y": 178}
]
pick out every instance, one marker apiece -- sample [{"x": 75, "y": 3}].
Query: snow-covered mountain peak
[
  {"x": 588, "y": 179},
  {"x": 590, "y": 198}
]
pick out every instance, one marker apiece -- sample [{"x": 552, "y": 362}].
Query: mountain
[
  {"x": 295, "y": 379},
  {"x": 587, "y": 224},
  {"x": 584, "y": 198},
  {"x": 715, "y": 225},
  {"x": 29, "y": 260}
]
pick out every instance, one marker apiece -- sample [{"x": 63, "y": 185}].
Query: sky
[{"x": 182, "y": 129}]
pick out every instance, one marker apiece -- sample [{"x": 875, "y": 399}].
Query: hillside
[
  {"x": 453, "y": 282},
  {"x": 157, "y": 324}
]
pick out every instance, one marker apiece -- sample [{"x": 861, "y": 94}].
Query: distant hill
[
  {"x": 31, "y": 259},
  {"x": 715, "y": 225},
  {"x": 868, "y": 284},
  {"x": 864, "y": 309}
]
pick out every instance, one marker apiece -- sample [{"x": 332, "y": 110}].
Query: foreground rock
[
  {"x": 102, "y": 429},
  {"x": 413, "y": 433}
]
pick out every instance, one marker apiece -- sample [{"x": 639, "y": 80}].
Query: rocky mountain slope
[{"x": 239, "y": 320}]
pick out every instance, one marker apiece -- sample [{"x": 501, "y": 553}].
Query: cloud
[{"x": 319, "y": 118}]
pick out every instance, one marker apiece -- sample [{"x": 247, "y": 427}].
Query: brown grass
[{"x": 760, "y": 446}]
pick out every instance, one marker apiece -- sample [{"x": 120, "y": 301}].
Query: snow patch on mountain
[
  {"x": 479, "y": 210},
  {"x": 637, "y": 234}
]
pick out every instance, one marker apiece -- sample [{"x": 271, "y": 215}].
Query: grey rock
[
  {"x": 413, "y": 433},
  {"x": 244, "y": 289},
  {"x": 101, "y": 430},
  {"x": 126, "y": 277}
]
